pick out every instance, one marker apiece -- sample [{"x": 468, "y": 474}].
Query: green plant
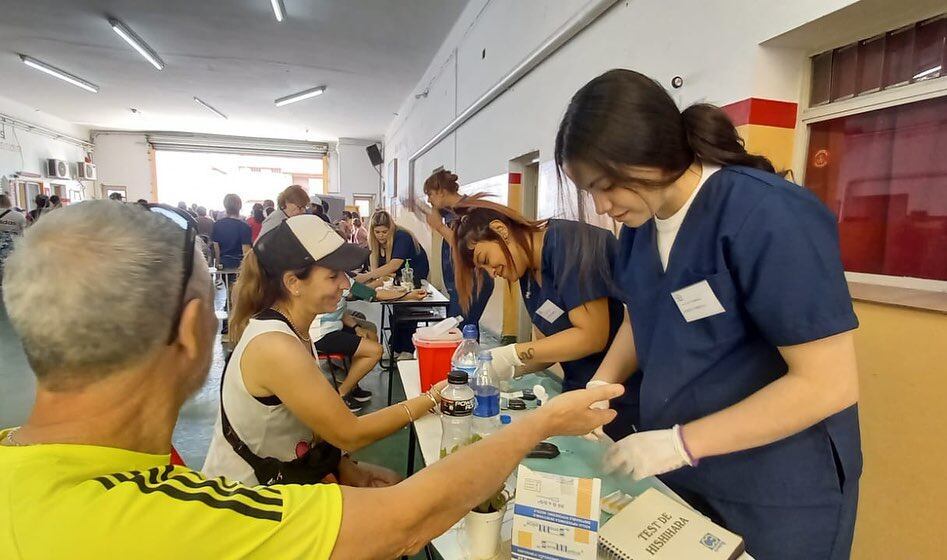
[{"x": 495, "y": 502}]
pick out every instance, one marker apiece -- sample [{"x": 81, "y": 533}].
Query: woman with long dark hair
[
  {"x": 574, "y": 315},
  {"x": 442, "y": 191},
  {"x": 739, "y": 319},
  {"x": 277, "y": 402}
]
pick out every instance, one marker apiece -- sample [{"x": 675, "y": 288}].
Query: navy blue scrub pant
[{"x": 786, "y": 533}]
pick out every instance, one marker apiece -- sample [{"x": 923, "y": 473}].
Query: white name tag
[
  {"x": 697, "y": 301},
  {"x": 549, "y": 311}
]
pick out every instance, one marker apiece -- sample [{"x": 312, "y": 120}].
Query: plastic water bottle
[
  {"x": 407, "y": 275},
  {"x": 486, "y": 415},
  {"x": 457, "y": 405},
  {"x": 465, "y": 357}
]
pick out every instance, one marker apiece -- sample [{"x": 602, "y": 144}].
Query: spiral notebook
[{"x": 656, "y": 527}]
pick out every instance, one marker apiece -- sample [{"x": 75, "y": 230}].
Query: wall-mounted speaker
[{"x": 374, "y": 154}]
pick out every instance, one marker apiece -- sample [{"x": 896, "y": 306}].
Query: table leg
[
  {"x": 412, "y": 443},
  {"x": 392, "y": 363}
]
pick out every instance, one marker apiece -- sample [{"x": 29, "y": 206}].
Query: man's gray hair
[{"x": 92, "y": 288}]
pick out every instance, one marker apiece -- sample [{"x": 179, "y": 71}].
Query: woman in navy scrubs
[
  {"x": 572, "y": 309},
  {"x": 441, "y": 189},
  {"x": 391, "y": 248},
  {"x": 739, "y": 319}
]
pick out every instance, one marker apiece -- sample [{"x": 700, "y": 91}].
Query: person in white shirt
[{"x": 12, "y": 224}]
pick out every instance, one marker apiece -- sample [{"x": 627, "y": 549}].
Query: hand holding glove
[
  {"x": 649, "y": 453},
  {"x": 597, "y": 434}
]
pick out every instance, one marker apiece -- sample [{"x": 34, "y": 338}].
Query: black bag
[{"x": 320, "y": 461}]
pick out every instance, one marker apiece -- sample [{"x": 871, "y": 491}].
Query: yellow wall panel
[{"x": 902, "y": 363}]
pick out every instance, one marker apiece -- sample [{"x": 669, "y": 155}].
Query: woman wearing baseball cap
[{"x": 281, "y": 419}]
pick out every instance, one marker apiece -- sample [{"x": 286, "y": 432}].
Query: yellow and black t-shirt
[{"x": 81, "y": 501}]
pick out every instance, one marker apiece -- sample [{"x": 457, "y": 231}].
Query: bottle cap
[
  {"x": 470, "y": 332},
  {"x": 457, "y": 377},
  {"x": 505, "y": 419}
]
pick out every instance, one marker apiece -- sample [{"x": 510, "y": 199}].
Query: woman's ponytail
[
  {"x": 714, "y": 139},
  {"x": 249, "y": 295}
]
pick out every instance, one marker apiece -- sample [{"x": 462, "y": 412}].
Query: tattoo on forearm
[{"x": 527, "y": 354}]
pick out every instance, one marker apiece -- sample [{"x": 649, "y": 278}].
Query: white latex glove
[
  {"x": 597, "y": 434},
  {"x": 505, "y": 359},
  {"x": 649, "y": 453}
]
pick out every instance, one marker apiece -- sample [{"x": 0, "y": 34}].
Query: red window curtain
[{"x": 884, "y": 174}]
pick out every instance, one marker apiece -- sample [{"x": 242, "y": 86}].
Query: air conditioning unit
[
  {"x": 86, "y": 171},
  {"x": 57, "y": 169}
]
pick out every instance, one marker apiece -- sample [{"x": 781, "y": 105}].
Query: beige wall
[{"x": 902, "y": 362}]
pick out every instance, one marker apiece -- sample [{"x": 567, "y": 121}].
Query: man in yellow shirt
[{"x": 129, "y": 339}]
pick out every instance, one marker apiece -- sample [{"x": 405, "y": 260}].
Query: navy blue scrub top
[
  {"x": 403, "y": 247},
  {"x": 769, "y": 251},
  {"x": 563, "y": 287}
]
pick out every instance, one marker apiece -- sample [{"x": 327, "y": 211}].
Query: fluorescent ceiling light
[
  {"x": 927, "y": 72},
  {"x": 300, "y": 96},
  {"x": 278, "y": 9},
  {"x": 135, "y": 41},
  {"x": 61, "y": 74},
  {"x": 536, "y": 160},
  {"x": 204, "y": 104}
]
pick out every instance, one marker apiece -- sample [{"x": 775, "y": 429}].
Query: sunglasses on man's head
[{"x": 187, "y": 223}]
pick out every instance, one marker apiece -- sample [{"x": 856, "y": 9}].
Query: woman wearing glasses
[
  {"x": 293, "y": 201},
  {"x": 275, "y": 403}
]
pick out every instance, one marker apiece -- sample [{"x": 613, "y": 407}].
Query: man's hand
[
  {"x": 571, "y": 414},
  {"x": 598, "y": 433},
  {"x": 366, "y": 475}
]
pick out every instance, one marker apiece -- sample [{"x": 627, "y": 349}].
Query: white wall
[
  {"x": 356, "y": 175},
  {"x": 122, "y": 160},
  {"x": 24, "y": 151},
  {"x": 713, "y": 46}
]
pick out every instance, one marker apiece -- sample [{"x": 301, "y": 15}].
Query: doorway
[{"x": 524, "y": 197}]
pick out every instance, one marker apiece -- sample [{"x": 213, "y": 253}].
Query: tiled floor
[{"x": 196, "y": 420}]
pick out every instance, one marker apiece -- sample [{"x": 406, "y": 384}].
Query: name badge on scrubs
[
  {"x": 697, "y": 301},
  {"x": 550, "y": 311}
]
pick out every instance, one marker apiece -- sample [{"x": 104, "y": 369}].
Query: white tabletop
[
  {"x": 434, "y": 297},
  {"x": 428, "y": 429}
]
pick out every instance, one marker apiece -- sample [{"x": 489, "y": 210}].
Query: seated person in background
[
  {"x": 339, "y": 332},
  {"x": 393, "y": 246},
  {"x": 277, "y": 401},
  {"x": 231, "y": 235},
  {"x": 130, "y": 339}
]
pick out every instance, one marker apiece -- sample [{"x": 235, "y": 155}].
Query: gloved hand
[
  {"x": 597, "y": 434},
  {"x": 649, "y": 453},
  {"x": 505, "y": 359}
]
